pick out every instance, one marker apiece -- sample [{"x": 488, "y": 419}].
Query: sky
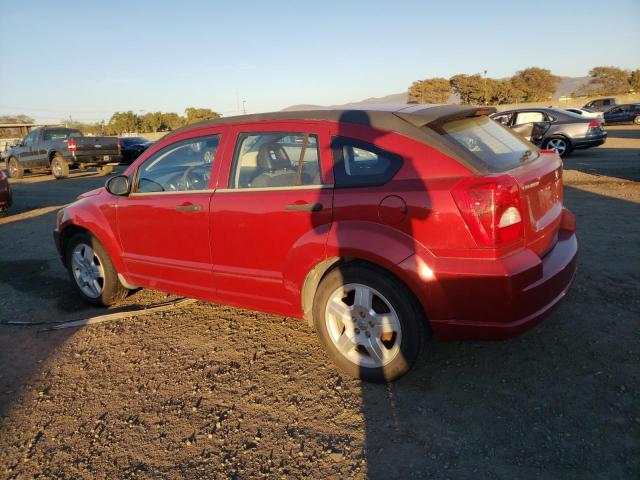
[{"x": 87, "y": 59}]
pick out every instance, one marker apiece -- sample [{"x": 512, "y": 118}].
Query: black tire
[
  {"x": 14, "y": 168},
  {"x": 112, "y": 290},
  {"x": 59, "y": 168},
  {"x": 408, "y": 311},
  {"x": 105, "y": 169},
  {"x": 556, "y": 140}
]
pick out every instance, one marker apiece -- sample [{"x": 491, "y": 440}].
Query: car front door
[
  {"x": 531, "y": 125},
  {"x": 271, "y": 221},
  {"x": 163, "y": 223},
  {"x": 25, "y": 151},
  {"x": 615, "y": 115}
]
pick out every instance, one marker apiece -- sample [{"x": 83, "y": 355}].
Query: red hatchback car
[{"x": 377, "y": 225}]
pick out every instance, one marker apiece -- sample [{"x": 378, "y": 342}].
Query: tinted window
[
  {"x": 133, "y": 141},
  {"x": 61, "y": 134},
  {"x": 275, "y": 159},
  {"x": 495, "y": 147},
  {"x": 179, "y": 167},
  {"x": 358, "y": 163},
  {"x": 29, "y": 139}
]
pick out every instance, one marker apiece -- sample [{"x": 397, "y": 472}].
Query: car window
[
  {"x": 179, "y": 167},
  {"x": 358, "y": 163},
  {"x": 29, "y": 139},
  {"x": 503, "y": 119},
  {"x": 60, "y": 134},
  {"x": 615, "y": 110},
  {"x": 275, "y": 159},
  {"x": 529, "y": 117}
]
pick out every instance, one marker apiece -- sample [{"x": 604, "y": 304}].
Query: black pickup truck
[{"x": 56, "y": 149}]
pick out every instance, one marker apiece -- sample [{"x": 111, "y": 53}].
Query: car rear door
[
  {"x": 163, "y": 224},
  {"x": 271, "y": 218}
]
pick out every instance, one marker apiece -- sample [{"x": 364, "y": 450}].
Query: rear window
[
  {"x": 62, "y": 134},
  {"x": 494, "y": 146}
]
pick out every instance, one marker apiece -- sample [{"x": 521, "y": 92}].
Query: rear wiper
[{"x": 525, "y": 156}]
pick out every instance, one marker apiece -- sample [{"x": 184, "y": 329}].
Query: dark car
[
  {"x": 555, "y": 129},
  {"x": 6, "y": 196},
  {"x": 601, "y": 104},
  {"x": 132, "y": 147},
  {"x": 627, "y": 113},
  {"x": 57, "y": 149},
  {"x": 378, "y": 225}
]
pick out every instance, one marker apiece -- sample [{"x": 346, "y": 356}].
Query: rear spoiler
[{"x": 421, "y": 115}]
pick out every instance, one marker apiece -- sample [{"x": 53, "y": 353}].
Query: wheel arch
[{"x": 323, "y": 268}]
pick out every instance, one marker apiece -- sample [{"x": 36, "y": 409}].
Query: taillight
[
  {"x": 71, "y": 145},
  {"x": 490, "y": 206},
  {"x": 119, "y": 148},
  {"x": 594, "y": 124},
  {"x": 2, "y": 175}
]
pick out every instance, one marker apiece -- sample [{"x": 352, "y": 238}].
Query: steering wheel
[{"x": 189, "y": 180}]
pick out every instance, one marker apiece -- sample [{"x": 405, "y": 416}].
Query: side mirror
[{"x": 118, "y": 185}]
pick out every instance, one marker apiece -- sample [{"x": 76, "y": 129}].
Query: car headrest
[{"x": 272, "y": 156}]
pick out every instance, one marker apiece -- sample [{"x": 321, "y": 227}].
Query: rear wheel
[
  {"x": 560, "y": 144},
  {"x": 636, "y": 120},
  {"x": 92, "y": 272},
  {"x": 59, "y": 167},
  {"x": 368, "y": 322},
  {"x": 15, "y": 169}
]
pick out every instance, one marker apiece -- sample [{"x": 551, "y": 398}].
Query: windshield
[{"x": 495, "y": 146}]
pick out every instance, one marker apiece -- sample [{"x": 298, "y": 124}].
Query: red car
[
  {"x": 5, "y": 192},
  {"x": 376, "y": 225}
]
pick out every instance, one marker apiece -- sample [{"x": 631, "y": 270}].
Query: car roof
[
  {"x": 404, "y": 119},
  {"x": 382, "y": 116}
]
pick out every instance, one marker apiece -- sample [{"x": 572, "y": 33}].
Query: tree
[
  {"x": 171, "y": 121},
  {"x": 151, "y": 122},
  {"x": 502, "y": 91},
  {"x": 199, "y": 114},
  {"x": 634, "y": 81},
  {"x": 16, "y": 119},
  {"x": 608, "y": 81},
  {"x": 430, "y": 90},
  {"x": 470, "y": 88},
  {"x": 123, "y": 122},
  {"x": 536, "y": 84}
]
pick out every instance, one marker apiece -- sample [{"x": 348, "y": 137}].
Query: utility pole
[
  {"x": 485, "y": 87},
  {"x": 244, "y": 107}
]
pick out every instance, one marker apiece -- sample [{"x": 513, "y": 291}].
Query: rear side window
[
  {"x": 359, "y": 164},
  {"x": 494, "y": 146},
  {"x": 61, "y": 134},
  {"x": 276, "y": 159}
]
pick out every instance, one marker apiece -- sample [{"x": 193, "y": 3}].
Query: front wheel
[
  {"x": 15, "y": 169},
  {"x": 636, "y": 120},
  {"x": 370, "y": 325},
  {"x": 92, "y": 272},
  {"x": 59, "y": 167},
  {"x": 560, "y": 144}
]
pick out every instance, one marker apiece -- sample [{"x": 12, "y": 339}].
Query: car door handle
[
  {"x": 189, "y": 207},
  {"x": 305, "y": 207}
]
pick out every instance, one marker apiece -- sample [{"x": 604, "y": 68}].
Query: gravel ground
[{"x": 209, "y": 391}]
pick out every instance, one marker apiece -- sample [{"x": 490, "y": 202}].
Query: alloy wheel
[
  {"x": 557, "y": 144},
  {"x": 363, "y": 325},
  {"x": 88, "y": 271}
]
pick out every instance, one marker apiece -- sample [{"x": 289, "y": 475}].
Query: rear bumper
[
  {"x": 95, "y": 159},
  {"x": 497, "y": 299},
  {"x": 588, "y": 142}
]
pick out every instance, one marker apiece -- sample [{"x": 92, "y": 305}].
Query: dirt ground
[{"x": 209, "y": 391}]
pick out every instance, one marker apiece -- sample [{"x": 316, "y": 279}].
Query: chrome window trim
[{"x": 277, "y": 189}]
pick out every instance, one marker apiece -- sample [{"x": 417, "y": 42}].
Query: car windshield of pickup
[{"x": 61, "y": 134}]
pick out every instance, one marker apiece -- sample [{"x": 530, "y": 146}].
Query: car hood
[{"x": 91, "y": 193}]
